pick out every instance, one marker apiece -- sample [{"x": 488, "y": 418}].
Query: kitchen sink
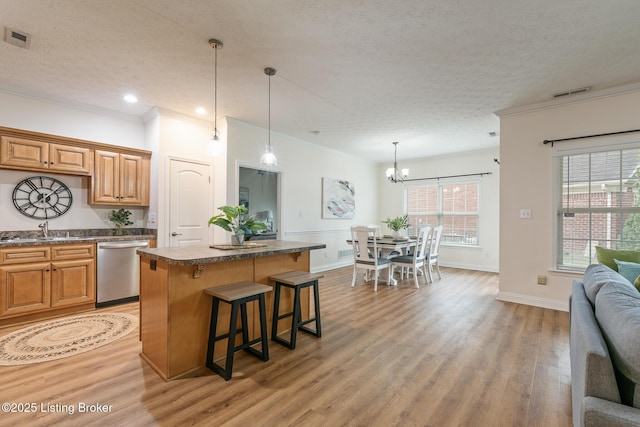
[{"x": 57, "y": 238}]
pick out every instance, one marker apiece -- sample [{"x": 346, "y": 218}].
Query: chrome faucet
[{"x": 45, "y": 229}]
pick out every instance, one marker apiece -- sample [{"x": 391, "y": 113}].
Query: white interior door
[{"x": 190, "y": 201}]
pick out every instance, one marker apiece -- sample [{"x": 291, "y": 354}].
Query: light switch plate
[{"x": 525, "y": 213}]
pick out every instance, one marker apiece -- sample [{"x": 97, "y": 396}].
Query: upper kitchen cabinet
[
  {"x": 119, "y": 175},
  {"x": 120, "y": 178},
  {"x": 33, "y": 154}
]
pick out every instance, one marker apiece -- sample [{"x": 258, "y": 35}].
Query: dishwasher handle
[{"x": 122, "y": 245}]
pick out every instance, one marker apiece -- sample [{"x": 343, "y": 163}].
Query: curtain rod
[
  {"x": 547, "y": 141},
  {"x": 449, "y": 176}
]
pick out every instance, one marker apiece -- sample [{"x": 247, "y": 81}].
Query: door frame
[
  {"x": 167, "y": 185},
  {"x": 279, "y": 172}
]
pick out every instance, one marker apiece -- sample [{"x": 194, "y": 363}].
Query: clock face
[{"x": 42, "y": 197}]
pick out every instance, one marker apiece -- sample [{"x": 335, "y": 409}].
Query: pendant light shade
[{"x": 268, "y": 158}]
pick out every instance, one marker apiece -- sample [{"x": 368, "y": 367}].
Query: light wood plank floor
[{"x": 447, "y": 354}]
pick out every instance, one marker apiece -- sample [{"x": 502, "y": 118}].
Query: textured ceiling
[{"x": 353, "y": 75}]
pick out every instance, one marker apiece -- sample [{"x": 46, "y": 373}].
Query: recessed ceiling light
[
  {"x": 201, "y": 111},
  {"x": 130, "y": 98}
]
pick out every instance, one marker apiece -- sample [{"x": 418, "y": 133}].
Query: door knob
[{"x": 176, "y": 234}]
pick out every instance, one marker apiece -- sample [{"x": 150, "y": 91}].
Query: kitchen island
[{"x": 174, "y": 310}]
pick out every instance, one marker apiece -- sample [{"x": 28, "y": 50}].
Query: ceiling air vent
[
  {"x": 17, "y": 37},
  {"x": 572, "y": 92}
]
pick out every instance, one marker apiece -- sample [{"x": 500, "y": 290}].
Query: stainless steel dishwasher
[{"x": 118, "y": 278}]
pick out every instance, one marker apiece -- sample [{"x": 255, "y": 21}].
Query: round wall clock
[{"x": 42, "y": 197}]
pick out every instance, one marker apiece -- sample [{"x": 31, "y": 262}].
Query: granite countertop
[
  {"x": 56, "y": 237},
  {"x": 203, "y": 254}
]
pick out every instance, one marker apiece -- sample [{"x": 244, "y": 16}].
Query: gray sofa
[{"x": 605, "y": 349}]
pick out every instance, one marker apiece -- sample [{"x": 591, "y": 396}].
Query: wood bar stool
[
  {"x": 237, "y": 295},
  {"x": 295, "y": 280}
]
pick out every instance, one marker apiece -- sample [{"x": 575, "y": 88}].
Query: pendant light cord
[
  {"x": 215, "y": 96},
  {"x": 215, "y": 44},
  {"x": 269, "y": 112}
]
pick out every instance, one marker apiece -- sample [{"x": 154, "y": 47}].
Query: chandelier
[{"x": 393, "y": 174}]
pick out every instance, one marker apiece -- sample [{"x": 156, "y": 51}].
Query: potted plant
[
  {"x": 397, "y": 224},
  {"x": 237, "y": 220},
  {"x": 120, "y": 219}
]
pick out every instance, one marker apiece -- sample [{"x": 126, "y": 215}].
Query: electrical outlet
[
  {"x": 542, "y": 280},
  {"x": 525, "y": 213}
]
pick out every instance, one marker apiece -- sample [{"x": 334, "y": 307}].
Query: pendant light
[
  {"x": 268, "y": 158},
  {"x": 215, "y": 44},
  {"x": 393, "y": 174}
]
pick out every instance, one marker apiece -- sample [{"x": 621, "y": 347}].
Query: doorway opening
[{"x": 259, "y": 192}]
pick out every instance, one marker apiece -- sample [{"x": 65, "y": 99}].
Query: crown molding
[{"x": 575, "y": 99}]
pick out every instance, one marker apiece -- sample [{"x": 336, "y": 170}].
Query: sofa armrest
[{"x": 598, "y": 412}]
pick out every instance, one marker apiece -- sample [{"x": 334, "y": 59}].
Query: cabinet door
[
  {"x": 105, "y": 185},
  {"x": 65, "y": 158},
  {"x": 132, "y": 180},
  {"x": 23, "y": 153},
  {"x": 25, "y": 289},
  {"x": 73, "y": 282}
]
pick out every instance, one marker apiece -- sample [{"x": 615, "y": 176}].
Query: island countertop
[{"x": 203, "y": 254}]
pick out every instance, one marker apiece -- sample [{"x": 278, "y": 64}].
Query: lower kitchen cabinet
[
  {"x": 25, "y": 289},
  {"x": 73, "y": 282},
  {"x": 31, "y": 290}
]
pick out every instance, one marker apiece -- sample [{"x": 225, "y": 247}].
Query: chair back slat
[
  {"x": 435, "y": 243},
  {"x": 359, "y": 239},
  {"x": 423, "y": 244}
]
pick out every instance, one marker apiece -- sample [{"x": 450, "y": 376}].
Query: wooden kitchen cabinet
[
  {"x": 22, "y": 153},
  {"x": 62, "y": 281},
  {"x": 120, "y": 179},
  {"x": 25, "y": 288},
  {"x": 73, "y": 282}
]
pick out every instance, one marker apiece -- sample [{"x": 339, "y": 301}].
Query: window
[
  {"x": 454, "y": 205},
  {"x": 597, "y": 204}
]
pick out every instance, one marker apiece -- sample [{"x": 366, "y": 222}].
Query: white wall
[
  {"x": 485, "y": 257},
  {"x": 56, "y": 119},
  {"x": 303, "y": 166},
  {"x": 526, "y": 245},
  {"x": 185, "y": 138}
]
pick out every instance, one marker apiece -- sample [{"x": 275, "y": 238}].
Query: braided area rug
[{"x": 63, "y": 337}]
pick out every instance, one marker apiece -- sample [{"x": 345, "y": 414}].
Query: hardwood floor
[{"x": 447, "y": 354}]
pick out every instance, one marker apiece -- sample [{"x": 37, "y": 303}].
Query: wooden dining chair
[
  {"x": 418, "y": 259},
  {"x": 433, "y": 252},
  {"x": 363, "y": 255}
]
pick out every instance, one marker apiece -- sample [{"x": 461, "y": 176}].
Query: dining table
[{"x": 388, "y": 245}]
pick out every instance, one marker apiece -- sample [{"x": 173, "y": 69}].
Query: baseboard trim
[
  {"x": 325, "y": 267},
  {"x": 534, "y": 301}
]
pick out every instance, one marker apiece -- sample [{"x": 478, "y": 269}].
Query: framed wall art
[{"x": 338, "y": 198}]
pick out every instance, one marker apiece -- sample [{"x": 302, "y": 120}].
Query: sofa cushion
[
  {"x": 628, "y": 270},
  {"x": 607, "y": 256},
  {"x": 618, "y": 314},
  {"x": 598, "y": 275}
]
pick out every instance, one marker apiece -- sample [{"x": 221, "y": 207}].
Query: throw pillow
[
  {"x": 606, "y": 256},
  {"x": 628, "y": 270},
  {"x": 637, "y": 283}
]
